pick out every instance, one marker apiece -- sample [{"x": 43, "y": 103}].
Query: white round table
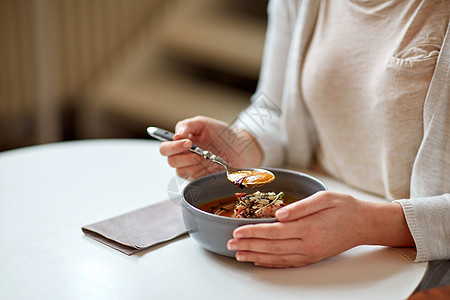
[{"x": 48, "y": 192}]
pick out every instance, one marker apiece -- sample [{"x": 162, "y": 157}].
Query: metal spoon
[{"x": 248, "y": 178}]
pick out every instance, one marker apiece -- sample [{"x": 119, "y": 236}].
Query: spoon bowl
[{"x": 248, "y": 177}]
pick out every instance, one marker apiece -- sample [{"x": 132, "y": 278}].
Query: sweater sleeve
[
  {"x": 428, "y": 211},
  {"x": 428, "y": 220},
  {"x": 262, "y": 117}
]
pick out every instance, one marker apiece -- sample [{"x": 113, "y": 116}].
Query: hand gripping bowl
[{"x": 211, "y": 231}]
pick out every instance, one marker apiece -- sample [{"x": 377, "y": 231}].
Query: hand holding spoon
[{"x": 248, "y": 178}]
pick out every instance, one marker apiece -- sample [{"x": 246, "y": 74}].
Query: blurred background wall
[{"x": 76, "y": 69}]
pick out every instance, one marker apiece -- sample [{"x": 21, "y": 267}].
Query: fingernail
[
  {"x": 241, "y": 257},
  {"x": 179, "y": 130},
  {"x": 282, "y": 214},
  {"x": 186, "y": 145},
  {"x": 238, "y": 235},
  {"x": 232, "y": 246}
]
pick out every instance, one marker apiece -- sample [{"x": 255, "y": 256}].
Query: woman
[{"x": 361, "y": 90}]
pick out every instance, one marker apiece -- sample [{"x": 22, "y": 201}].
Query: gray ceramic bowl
[{"x": 212, "y": 232}]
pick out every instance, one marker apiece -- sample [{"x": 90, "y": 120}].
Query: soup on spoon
[{"x": 250, "y": 178}]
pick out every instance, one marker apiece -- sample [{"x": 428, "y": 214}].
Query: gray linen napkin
[{"x": 139, "y": 229}]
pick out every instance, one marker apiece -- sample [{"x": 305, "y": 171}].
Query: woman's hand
[
  {"x": 215, "y": 136},
  {"x": 320, "y": 226}
]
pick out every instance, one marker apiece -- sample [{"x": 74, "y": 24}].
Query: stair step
[
  {"x": 162, "y": 98},
  {"x": 218, "y": 40}
]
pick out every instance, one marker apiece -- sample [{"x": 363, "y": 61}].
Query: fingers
[
  {"x": 302, "y": 208},
  {"x": 183, "y": 160},
  {"x": 190, "y": 166},
  {"x": 278, "y": 253},
  {"x": 287, "y": 246},
  {"x": 272, "y": 231},
  {"x": 175, "y": 147},
  {"x": 273, "y": 261},
  {"x": 196, "y": 130}
]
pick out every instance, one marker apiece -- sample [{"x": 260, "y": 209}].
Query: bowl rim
[{"x": 243, "y": 220}]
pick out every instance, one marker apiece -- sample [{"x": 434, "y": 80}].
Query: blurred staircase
[{"x": 205, "y": 62}]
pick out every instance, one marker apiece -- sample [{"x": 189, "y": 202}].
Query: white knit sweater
[{"x": 279, "y": 121}]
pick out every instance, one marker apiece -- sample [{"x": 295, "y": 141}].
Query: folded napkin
[{"x": 139, "y": 229}]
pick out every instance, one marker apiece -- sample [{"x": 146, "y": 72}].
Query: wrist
[
  {"x": 252, "y": 153},
  {"x": 386, "y": 225}
]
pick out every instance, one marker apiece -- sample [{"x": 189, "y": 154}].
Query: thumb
[
  {"x": 181, "y": 132},
  {"x": 189, "y": 127},
  {"x": 304, "y": 207}
]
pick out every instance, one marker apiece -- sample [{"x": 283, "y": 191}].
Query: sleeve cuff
[{"x": 428, "y": 222}]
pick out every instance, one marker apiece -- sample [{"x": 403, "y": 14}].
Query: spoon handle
[{"x": 164, "y": 135}]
